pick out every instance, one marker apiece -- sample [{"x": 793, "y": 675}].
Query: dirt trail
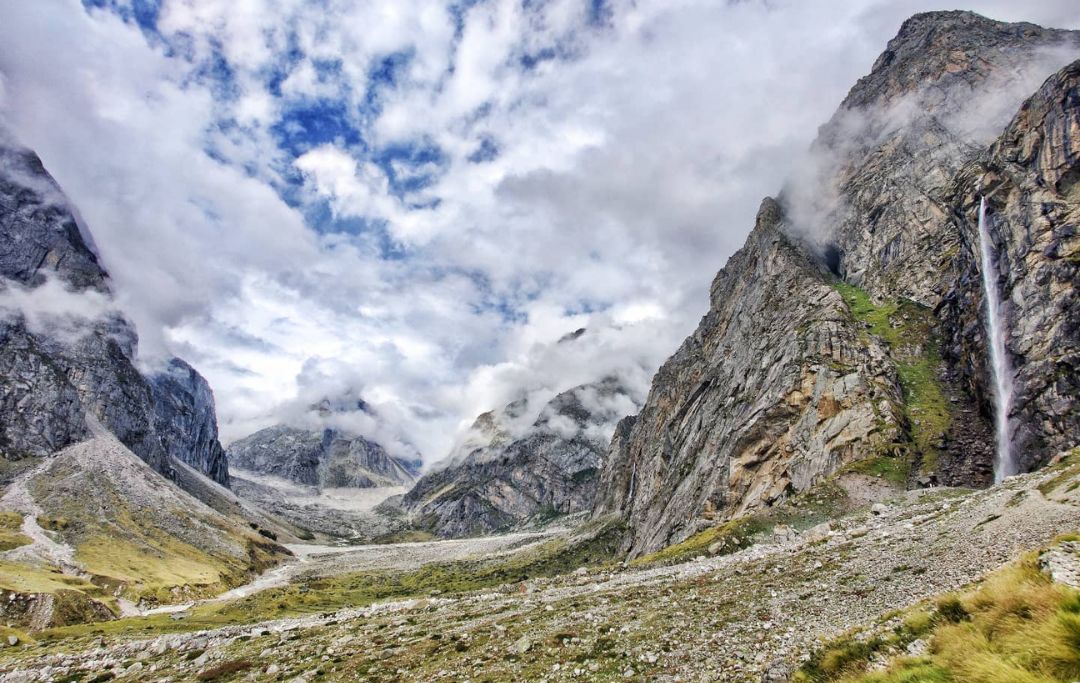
[{"x": 42, "y": 547}]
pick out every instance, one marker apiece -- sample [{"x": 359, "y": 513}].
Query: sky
[{"x": 413, "y": 201}]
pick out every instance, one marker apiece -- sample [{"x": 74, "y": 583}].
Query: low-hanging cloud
[
  {"x": 52, "y": 309},
  {"x": 292, "y": 195},
  {"x": 973, "y": 117}
]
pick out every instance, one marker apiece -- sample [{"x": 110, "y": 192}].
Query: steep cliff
[
  {"x": 847, "y": 332},
  {"x": 497, "y": 477},
  {"x": 1029, "y": 177},
  {"x": 60, "y": 361},
  {"x": 186, "y": 421},
  {"x": 778, "y": 386},
  {"x": 67, "y": 352},
  {"x": 325, "y": 458}
]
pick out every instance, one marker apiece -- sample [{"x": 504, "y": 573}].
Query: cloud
[
  {"x": 54, "y": 310},
  {"x": 971, "y": 118},
  {"x": 289, "y": 194}
]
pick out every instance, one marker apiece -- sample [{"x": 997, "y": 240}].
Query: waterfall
[{"x": 1000, "y": 369}]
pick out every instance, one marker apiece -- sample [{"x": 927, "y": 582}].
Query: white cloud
[
  {"x": 50, "y": 308},
  {"x": 631, "y": 159}
]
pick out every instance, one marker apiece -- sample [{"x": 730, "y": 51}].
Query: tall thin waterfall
[{"x": 1000, "y": 368}]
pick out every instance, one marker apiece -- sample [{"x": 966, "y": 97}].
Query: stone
[{"x": 521, "y": 645}]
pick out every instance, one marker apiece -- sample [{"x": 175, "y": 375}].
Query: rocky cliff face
[
  {"x": 847, "y": 332},
  {"x": 186, "y": 421},
  {"x": 325, "y": 458},
  {"x": 778, "y": 386},
  {"x": 1029, "y": 177},
  {"x": 66, "y": 352},
  {"x": 496, "y": 478}
]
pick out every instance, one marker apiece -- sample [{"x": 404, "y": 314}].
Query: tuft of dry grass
[{"x": 1015, "y": 627}]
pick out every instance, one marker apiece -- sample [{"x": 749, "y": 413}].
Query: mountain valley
[{"x": 823, "y": 483}]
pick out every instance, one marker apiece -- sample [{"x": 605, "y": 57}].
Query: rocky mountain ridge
[
  {"x": 58, "y": 367},
  {"x": 326, "y": 458},
  {"x": 847, "y": 333},
  {"x": 500, "y": 475},
  {"x": 112, "y": 481}
]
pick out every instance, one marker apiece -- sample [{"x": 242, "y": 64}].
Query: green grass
[
  {"x": 908, "y": 331},
  {"x": 1015, "y": 627},
  {"x": 893, "y": 469},
  {"x": 130, "y": 552},
  {"x": 10, "y": 524},
  {"x": 23, "y": 578},
  {"x": 1066, "y": 469},
  {"x": 733, "y": 536}
]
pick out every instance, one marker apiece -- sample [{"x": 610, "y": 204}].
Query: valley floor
[{"x": 755, "y": 615}]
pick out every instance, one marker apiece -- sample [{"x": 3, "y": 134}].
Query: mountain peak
[{"x": 944, "y": 46}]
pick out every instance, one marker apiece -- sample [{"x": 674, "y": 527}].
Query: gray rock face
[
  {"x": 38, "y": 231},
  {"x": 797, "y": 371},
  {"x": 57, "y": 369},
  {"x": 777, "y": 388},
  {"x": 496, "y": 479},
  {"x": 1030, "y": 178},
  {"x": 324, "y": 458},
  {"x": 186, "y": 421}
]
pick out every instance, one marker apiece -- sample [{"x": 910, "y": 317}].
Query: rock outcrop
[
  {"x": 848, "y": 331},
  {"x": 496, "y": 477},
  {"x": 325, "y": 458},
  {"x": 186, "y": 421},
  {"x": 778, "y": 387},
  {"x": 55, "y": 371}
]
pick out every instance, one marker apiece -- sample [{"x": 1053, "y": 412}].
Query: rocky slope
[
  {"x": 847, "y": 333},
  {"x": 752, "y": 616},
  {"x": 500, "y": 475},
  {"x": 102, "y": 469},
  {"x": 104, "y": 526},
  {"x": 325, "y": 458}
]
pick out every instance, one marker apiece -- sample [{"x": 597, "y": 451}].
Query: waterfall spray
[{"x": 1000, "y": 368}]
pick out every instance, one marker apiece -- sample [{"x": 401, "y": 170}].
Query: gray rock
[
  {"x": 186, "y": 420},
  {"x": 54, "y": 374},
  {"x": 323, "y": 458},
  {"x": 496, "y": 478},
  {"x": 783, "y": 384}
]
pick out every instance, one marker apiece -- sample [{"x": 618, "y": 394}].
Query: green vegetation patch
[
  {"x": 146, "y": 556},
  {"x": 890, "y": 468},
  {"x": 731, "y": 536},
  {"x": 316, "y": 595},
  {"x": 907, "y": 329},
  {"x": 23, "y": 578},
  {"x": 10, "y": 525},
  {"x": 821, "y": 503},
  {"x": 1016, "y": 627}
]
